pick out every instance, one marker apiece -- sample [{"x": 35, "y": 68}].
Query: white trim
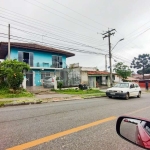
[
  {"x": 46, "y": 68},
  {"x": 34, "y": 78}
]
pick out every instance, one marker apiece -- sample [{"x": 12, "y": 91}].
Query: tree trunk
[{"x": 143, "y": 72}]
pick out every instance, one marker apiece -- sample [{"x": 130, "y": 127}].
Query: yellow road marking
[{"x": 60, "y": 134}]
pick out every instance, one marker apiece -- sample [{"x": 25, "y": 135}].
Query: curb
[{"x": 48, "y": 101}]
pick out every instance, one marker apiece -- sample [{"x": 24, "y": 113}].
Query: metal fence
[{"x": 70, "y": 77}]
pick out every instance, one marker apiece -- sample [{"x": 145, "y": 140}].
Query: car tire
[
  {"x": 110, "y": 96},
  {"x": 127, "y": 96},
  {"x": 139, "y": 95}
]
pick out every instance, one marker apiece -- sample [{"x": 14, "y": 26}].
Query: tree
[
  {"x": 122, "y": 70},
  {"x": 12, "y": 71},
  {"x": 141, "y": 62},
  {"x": 146, "y": 71}
]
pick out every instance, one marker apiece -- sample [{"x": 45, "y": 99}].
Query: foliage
[
  {"x": 59, "y": 84},
  {"x": 146, "y": 71},
  {"x": 15, "y": 80},
  {"x": 6, "y": 93},
  {"x": 141, "y": 62},
  {"x": 12, "y": 71},
  {"x": 3, "y": 85},
  {"x": 122, "y": 70}
]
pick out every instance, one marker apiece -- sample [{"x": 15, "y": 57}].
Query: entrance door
[{"x": 29, "y": 78}]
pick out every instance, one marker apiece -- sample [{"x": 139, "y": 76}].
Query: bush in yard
[
  {"x": 59, "y": 84},
  {"x": 12, "y": 71},
  {"x": 3, "y": 85},
  {"x": 15, "y": 80}
]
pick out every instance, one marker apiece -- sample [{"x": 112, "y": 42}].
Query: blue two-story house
[{"x": 43, "y": 60}]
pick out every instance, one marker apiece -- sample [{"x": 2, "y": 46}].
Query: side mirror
[{"x": 134, "y": 130}]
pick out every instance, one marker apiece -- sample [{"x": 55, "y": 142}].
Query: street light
[
  {"x": 110, "y": 55},
  {"x": 117, "y": 43}
]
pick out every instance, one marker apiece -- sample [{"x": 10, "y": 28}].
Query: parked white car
[{"x": 124, "y": 90}]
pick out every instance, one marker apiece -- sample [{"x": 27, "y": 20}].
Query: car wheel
[
  {"x": 110, "y": 96},
  {"x": 127, "y": 96},
  {"x": 139, "y": 95}
]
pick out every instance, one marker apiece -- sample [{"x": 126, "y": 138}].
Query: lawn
[
  {"x": 79, "y": 92},
  {"x": 5, "y": 93}
]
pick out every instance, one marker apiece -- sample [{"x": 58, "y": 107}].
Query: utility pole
[
  {"x": 108, "y": 34},
  {"x": 105, "y": 62},
  {"x": 8, "y": 41}
]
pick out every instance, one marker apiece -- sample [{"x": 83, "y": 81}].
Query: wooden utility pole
[
  {"x": 106, "y": 62},
  {"x": 8, "y": 41},
  {"x": 108, "y": 34}
]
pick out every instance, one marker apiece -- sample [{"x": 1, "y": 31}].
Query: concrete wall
[
  {"x": 39, "y": 57},
  {"x": 117, "y": 79},
  {"x": 92, "y": 81},
  {"x": 88, "y": 69},
  {"x": 84, "y": 77}
]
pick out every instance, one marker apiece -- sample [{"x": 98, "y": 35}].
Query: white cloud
[{"x": 125, "y": 16}]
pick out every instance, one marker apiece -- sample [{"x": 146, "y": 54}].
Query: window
[
  {"x": 136, "y": 85},
  {"x": 57, "y": 61},
  {"x": 122, "y": 85},
  {"x": 26, "y": 57},
  {"x": 132, "y": 86},
  {"x": 44, "y": 74}
]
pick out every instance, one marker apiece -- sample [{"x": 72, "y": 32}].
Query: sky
[{"x": 77, "y": 27}]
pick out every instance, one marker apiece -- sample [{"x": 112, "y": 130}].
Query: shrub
[
  {"x": 3, "y": 85},
  {"x": 15, "y": 80},
  {"x": 59, "y": 84}
]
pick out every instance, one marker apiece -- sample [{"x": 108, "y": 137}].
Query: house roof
[
  {"x": 146, "y": 76},
  {"x": 32, "y": 46},
  {"x": 98, "y": 73},
  {"x": 131, "y": 79}
]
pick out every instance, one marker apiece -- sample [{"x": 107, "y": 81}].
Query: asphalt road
[{"x": 87, "y": 124}]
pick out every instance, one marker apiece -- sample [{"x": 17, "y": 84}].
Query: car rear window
[
  {"x": 47, "y": 78},
  {"x": 122, "y": 85}
]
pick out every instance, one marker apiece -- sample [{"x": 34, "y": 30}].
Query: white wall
[
  {"x": 88, "y": 68},
  {"x": 117, "y": 79},
  {"x": 1, "y": 60},
  {"x": 84, "y": 77}
]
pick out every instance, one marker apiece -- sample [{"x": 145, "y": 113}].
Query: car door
[
  {"x": 132, "y": 90},
  {"x": 136, "y": 89}
]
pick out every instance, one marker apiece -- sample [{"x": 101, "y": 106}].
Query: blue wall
[{"x": 39, "y": 57}]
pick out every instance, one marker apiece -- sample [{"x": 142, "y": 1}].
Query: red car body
[{"x": 142, "y": 137}]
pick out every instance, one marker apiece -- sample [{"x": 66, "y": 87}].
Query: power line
[
  {"x": 78, "y": 13},
  {"x": 41, "y": 22},
  {"x": 138, "y": 28},
  {"x": 77, "y": 50},
  {"x": 136, "y": 37},
  {"x": 50, "y": 33},
  {"x": 57, "y": 35},
  {"x": 64, "y": 17}
]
